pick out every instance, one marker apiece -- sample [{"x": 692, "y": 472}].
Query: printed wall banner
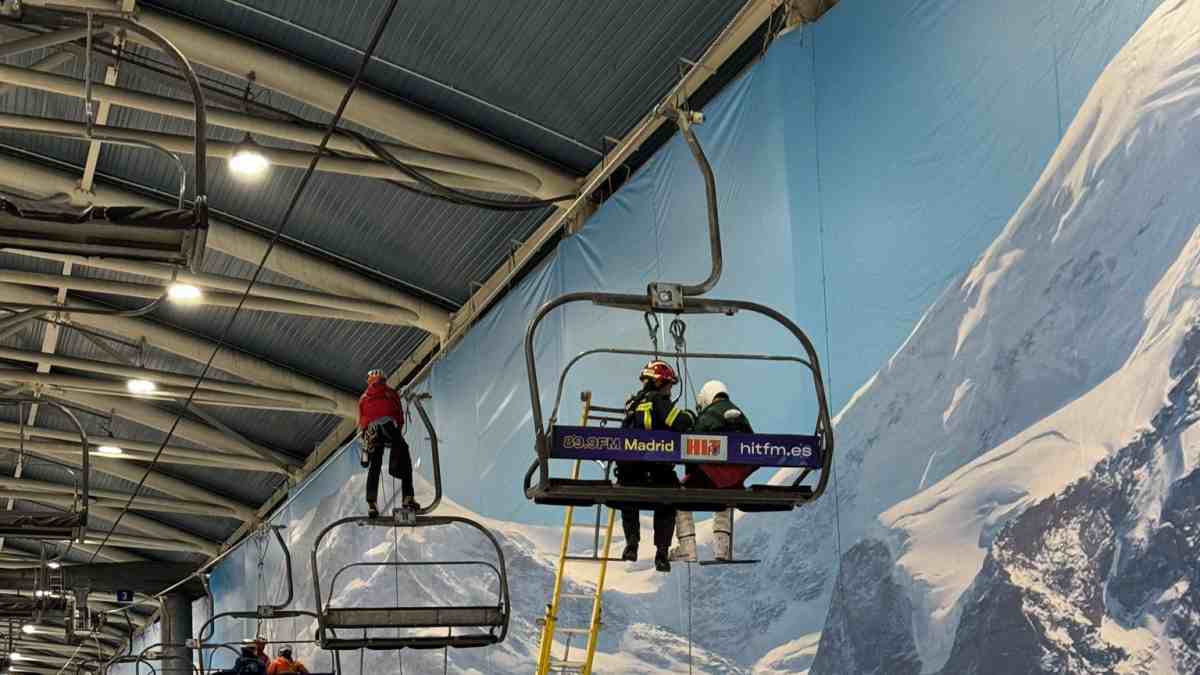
[{"x": 636, "y": 445}]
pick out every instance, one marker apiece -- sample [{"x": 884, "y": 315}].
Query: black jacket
[
  {"x": 249, "y": 665},
  {"x": 653, "y": 410},
  {"x": 722, "y": 416}
]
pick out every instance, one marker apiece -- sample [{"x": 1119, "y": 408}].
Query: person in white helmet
[
  {"x": 380, "y": 423},
  {"x": 718, "y": 414}
]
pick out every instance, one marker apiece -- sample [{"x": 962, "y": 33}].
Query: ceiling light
[
  {"x": 183, "y": 293},
  {"x": 29, "y": 629},
  {"x": 141, "y": 386},
  {"x": 54, "y": 564},
  {"x": 110, "y": 450},
  {"x": 248, "y": 160}
]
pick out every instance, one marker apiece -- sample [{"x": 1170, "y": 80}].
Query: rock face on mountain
[
  {"x": 870, "y": 621},
  {"x": 1115, "y": 549}
]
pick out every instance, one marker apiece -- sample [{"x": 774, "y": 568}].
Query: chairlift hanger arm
[
  {"x": 684, "y": 119},
  {"x": 85, "y": 496},
  {"x": 433, "y": 451}
]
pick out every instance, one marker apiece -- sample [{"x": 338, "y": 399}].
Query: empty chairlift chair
[
  {"x": 171, "y": 236},
  {"x": 478, "y": 625},
  {"x": 51, "y": 525},
  {"x": 811, "y": 453}
]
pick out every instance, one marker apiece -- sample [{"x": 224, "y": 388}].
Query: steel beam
[
  {"x": 321, "y": 89},
  {"x": 188, "y": 346},
  {"x": 50, "y": 63},
  {"x": 17, "y": 488},
  {"x": 91, "y": 385},
  {"x": 222, "y": 283},
  {"x": 42, "y": 41},
  {"x": 220, "y": 458},
  {"x": 181, "y": 456},
  {"x": 133, "y": 521},
  {"x": 185, "y": 382},
  {"x": 450, "y": 171},
  {"x": 162, "y": 420},
  {"x": 397, "y": 316},
  {"x": 35, "y": 179},
  {"x": 156, "y": 481}
]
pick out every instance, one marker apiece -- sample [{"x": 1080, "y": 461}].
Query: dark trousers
[
  {"x": 399, "y": 463},
  {"x": 648, "y": 474}
]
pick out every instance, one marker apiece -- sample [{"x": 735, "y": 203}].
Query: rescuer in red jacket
[{"x": 380, "y": 423}]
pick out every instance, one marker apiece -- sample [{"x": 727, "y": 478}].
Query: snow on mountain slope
[{"x": 1058, "y": 349}]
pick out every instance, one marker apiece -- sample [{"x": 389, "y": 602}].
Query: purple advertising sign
[{"x": 635, "y": 445}]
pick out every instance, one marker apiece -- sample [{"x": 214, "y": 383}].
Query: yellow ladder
[{"x": 547, "y": 663}]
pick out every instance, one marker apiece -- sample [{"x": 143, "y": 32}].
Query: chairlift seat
[
  {"x": 467, "y": 640},
  {"x": 566, "y": 492},
  {"x": 413, "y": 617},
  {"x": 169, "y": 236},
  {"x": 47, "y": 525}
]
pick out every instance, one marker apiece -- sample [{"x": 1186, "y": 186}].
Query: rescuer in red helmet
[
  {"x": 652, "y": 409},
  {"x": 380, "y": 423}
]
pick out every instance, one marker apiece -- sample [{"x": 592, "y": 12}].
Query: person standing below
[
  {"x": 718, "y": 414},
  {"x": 652, "y": 409},
  {"x": 380, "y": 423},
  {"x": 248, "y": 663},
  {"x": 284, "y": 665},
  {"x": 260, "y": 651}
]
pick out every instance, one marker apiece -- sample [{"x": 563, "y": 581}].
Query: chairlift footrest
[{"x": 708, "y": 563}]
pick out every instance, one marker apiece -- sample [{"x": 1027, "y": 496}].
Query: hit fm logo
[{"x": 704, "y": 448}]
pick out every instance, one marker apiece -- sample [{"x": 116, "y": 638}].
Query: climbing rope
[
  {"x": 837, "y": 507},
  {"x": 689, "y": 596},
  {"x": 446, "y": 652}
]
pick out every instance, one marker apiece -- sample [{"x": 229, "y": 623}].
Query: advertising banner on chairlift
[{"x": 635, "y": 445}]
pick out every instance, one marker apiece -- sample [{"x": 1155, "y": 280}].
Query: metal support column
[{"x": 176, "y": 630}]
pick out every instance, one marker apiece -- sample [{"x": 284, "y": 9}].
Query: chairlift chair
[
  {"x": 486, "y": 624},
  {"x": 261, "y": 613},
  {"x": 51, "y": 525},
  {"x": 172, "y": 236},
  {"x": 810, "y": 453}
]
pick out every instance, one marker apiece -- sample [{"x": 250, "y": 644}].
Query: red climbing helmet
[{"x": 660, "y": 373}]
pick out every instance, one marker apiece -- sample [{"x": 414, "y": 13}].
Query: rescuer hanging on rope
[
  {"x": 718, "y": 414},
  {"x": 651, "y": 408},
  {"x": 381, "y": 423}
]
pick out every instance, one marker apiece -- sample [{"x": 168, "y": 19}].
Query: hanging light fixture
[
  {"x": 183, "y": 293},
  {"x": 248, "y": 160},
  {"x": 139, "y": 386}
]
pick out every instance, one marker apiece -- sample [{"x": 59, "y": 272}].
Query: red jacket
[{"x": 379, "y": 400}]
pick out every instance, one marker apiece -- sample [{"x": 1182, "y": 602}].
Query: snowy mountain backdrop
[{"x": 1044, "y": 412}]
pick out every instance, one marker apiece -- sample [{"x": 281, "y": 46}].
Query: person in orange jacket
[
  {"x": 284, "y": 665},
  {"x": 380, "y": 423}
]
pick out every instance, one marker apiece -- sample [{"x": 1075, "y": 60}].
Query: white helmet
[{"x": 710, "y": 390}]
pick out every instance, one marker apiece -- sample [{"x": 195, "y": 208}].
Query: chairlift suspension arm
[{"x": 684, "y": 120}]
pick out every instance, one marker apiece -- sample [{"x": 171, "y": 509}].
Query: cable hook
[{"x": 652, "y": 325}]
